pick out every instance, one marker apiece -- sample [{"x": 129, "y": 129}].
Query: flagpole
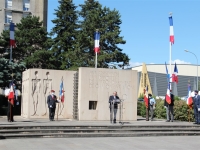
[
  {"x": 10, "y": 53},
  {"x": 96, "y": 61},
  {"x": 170, "y": 60},
  {"x": 170, "y": 63}
]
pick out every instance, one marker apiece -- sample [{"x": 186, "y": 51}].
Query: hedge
[{"x": 181, "y": 110}]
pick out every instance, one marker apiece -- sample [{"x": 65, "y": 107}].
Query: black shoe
[
  {"x": 171, "y": 120},
  {"x": 167, "y": 121},
  {"x": 114, "y": 120}
]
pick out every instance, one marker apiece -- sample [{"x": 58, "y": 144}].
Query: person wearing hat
[
  {"x": 51, "y": 101},
  {"x": 170, "y": 108},
  {"x": 152, "y": 103},
  {"x": 196, "y": 105}
]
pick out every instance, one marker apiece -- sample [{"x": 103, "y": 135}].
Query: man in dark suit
[
  {"x": 51, "y": 101},
  {"x": 114, "y": 99},
  {"x": 170, "y": 108},
  {"x": 196, "y": 105}
]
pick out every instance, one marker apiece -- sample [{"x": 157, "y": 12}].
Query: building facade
[
  {"x": 187, "y": 74},
  {"x": 14, "y": 10}
]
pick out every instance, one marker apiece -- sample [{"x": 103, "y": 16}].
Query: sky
[{"x": 145, "y": 27}]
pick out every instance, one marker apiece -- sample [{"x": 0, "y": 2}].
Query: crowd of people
[{"x": 170, "y": 107}]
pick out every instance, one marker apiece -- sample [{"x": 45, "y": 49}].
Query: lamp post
[{"x": 197, "y": 66}]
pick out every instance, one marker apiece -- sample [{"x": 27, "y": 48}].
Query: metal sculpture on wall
[{"x": 36, "y": 85}]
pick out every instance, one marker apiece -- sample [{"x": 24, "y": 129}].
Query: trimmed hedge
[{"x": 181, "y": 110}]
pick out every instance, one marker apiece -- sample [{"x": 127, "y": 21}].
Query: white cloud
[
  {"x": 178, "y": 61},
  {"x": 133, "y": 64}
]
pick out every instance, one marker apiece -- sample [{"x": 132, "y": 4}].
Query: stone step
[
  {"x": 24, "y": 131},
  {"x": 76, "y": 135},
  {"x": 161, "y": 127}
]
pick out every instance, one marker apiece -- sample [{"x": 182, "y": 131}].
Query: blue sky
[{"x": 145, "y": 27}]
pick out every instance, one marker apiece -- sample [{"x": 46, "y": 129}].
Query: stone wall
[
  {"x": 95, "y": 87},
  {"x": 36, "y": 86}
]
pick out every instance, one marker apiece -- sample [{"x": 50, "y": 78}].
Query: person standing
[
  {"x": 11, "y": 99},
  {"x": 170, "y": 108},
  {"x": 114, "y": 99},
  {"x": 51, "y": 101},
  {"x": 196, "y": 105},
  {"x": 152, "y": 103}
]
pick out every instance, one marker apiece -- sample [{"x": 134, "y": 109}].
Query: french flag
[
  {"x": 96, "y": 42},
  {"x": 12, "y": 35},
  {"x": 175, "y": 74},
  {"x": 171, "y": 39},
  {"x": 11, "y": 95},
  {"x": 168, "y": 76},
  {"x": 146, "y": 99},
  {"x": 61, "y": 94},
  {"x": 168, "y": 96},
  {"x": 189, "y": 99}
]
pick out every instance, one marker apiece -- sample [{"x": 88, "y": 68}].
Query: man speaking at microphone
[{"x": 115, "y": 99}]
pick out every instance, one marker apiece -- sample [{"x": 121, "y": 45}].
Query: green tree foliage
[
  {"x": 94, "y": 16},
  {"x": 7, "y": 69},
  {"x": 33, "y": 44},
  {"x": 66, "y": 32}
]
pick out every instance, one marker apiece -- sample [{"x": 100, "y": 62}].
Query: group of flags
[{"x": 174, "y": 77}]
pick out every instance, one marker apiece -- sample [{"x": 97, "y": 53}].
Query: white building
[
  {"x": 14, "y": 10},
  {"x": 158, "y": 78}
]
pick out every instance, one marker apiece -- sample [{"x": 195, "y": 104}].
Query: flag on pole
[
  {"x": 168, "y": 76},
  {"x": 146, "y": 98},
  {"x": 11, "y": 95},
  {"x": 171, "y": 39},
  {"x": 189, "y": 99},
  {"x": 61, "y": 94},
  {"x": 96, "y": 42},
  {"x": 175, "y": 74},
  {"x": 12, "y": 35},
  {"x": 168, "y": 95}
]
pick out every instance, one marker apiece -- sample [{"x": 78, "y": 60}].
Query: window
[
  {"x": 8, "y": 17},
  {"x": 6, "y": 27},
  {"x": 9, "y": 4},
  {"x": 92, "y": 105},
  {"x": 26, "y": 4}
]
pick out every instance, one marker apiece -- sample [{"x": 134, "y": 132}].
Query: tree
[
  {"x": 93, "y": 17},
  {"x": 33, "y": 44},
  {"x": 7, "y": 69},
  {"x": 66, "y": 33}
]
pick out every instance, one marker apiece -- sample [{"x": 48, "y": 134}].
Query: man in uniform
[
  {"x": 196, "y": 105},
  {"x": 51, "y": 101}
]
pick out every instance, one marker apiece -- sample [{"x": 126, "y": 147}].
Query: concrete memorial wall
[
  {"x": 95, "y": 87},
  {"x": 86, "y": 93},
  {"x": 36, "y": 86}
]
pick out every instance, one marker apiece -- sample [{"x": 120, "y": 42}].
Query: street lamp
[{"x": 197, "y": 66}]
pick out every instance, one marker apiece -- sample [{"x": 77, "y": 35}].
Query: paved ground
[
  {"x": 125, "y": 143},
  {"x": 45, "y": 122}
]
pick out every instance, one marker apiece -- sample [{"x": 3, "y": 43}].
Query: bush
[
  {"x": 181, "y": 110},
  {"x": 141, "y": 109}
]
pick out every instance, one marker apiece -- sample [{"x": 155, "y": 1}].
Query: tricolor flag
[
  {"x": 171, "y": 39},
  {"x": 168, "y": 76},
  {"x": 12, "y": 35},
  {"x": 11, "y": 95},
  {"x": 96, "y": 42},
  {"x": 189, "y": 99},
  {"x": 146, "y": 98},
  {"x": 168, "y": 95},
  {"x": 61, "y": 94},
  {"x": 175, "y": 74}
]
